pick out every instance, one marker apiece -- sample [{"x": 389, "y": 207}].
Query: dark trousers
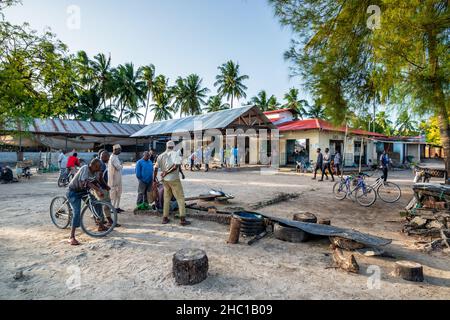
[
  {"x": 319, "y": 166},
  {"x": 385, "y": 174},
  {"x": 192, "y": 164},
  {"x": 327, "y": 166},
  {"x": 143, "y": 189},
  {"x": 338, "y": 169}
]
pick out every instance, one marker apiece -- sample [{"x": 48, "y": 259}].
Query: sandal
[{"x": 73, "y": 242}]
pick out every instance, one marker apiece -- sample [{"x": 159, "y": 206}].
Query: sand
[{"x": 135, "y": 261}]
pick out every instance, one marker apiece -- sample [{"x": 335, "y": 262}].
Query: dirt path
[{"x": 135, "y": 261}]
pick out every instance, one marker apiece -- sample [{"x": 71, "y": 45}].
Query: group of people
[
  {"x": 324, "y": 161},
  {"x": 228, "y": 157},
  {"x": 103, "y": 176}
]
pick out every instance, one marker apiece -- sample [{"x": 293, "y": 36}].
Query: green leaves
[{"x": 230, "y": 82}]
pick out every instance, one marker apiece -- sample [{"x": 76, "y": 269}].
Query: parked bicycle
[
  {"x": 92, "y": 213},
  {"x": 354, "y": 188},
  {"x": 388, "y": 192}
]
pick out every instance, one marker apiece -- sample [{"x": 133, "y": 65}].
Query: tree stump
[
  {"x": 190, "y": 266},
  {"x": 325, "y": 222},
  {"x": 290, "y": 234},
  {"x": 408, "y": 270},
  {"x": 305, "y": 217},
  {"x": 235, "y": 230},
  {"x": 347, "y": 263}
]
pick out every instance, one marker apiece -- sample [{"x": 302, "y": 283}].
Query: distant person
[
  {"x": 207, "y": 157},
  {"x": 327, "y": 165},
  {"x": 228, "y": 156},
  {"x": 73, "y": 163},
  {"x": 384, "y": 165},
  {"x": 144, "y": 174},
  {"x": 337, "y": 162},
  {"x": 153, "y": 155},
  {"x": 236, "y": 156},
  {"x": 62, "y": 163},
  {"x": 78, "y": 187},
  {"x": 115, "y": 168},
  {"x": 6, "y": 175},
  {"x": 319, "y": 163},
  {"x": 169, "y": 164}
]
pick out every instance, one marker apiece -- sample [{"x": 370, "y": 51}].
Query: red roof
[{"x": 311, "y": 124}]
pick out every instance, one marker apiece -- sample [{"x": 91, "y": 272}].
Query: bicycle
[
  {"x": 65, "y": 178},
  {"x": 363, "y": 194},
  {"x": 388, "y": 192},
  {"x": 92, "y": 213}
]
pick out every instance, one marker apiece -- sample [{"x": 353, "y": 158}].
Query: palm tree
[
  {"x": 83, "y": 66},
  {"x": 148, "y": 75},
  {"x": 273, "y": 103},
  {"x": 264, "y": 102},
  {"x": 406, "y": 126},
  {"x": 102, "y": 73},
  {"x": 130, "y": 89},
  {"x": 383, "y": 124},
  {"x": 316, "y": 112},
  {"x": 294, "y": 103},
  {"x": 189, "y": 95},
  {"x": 162, "y": 95},
  {"x": 89, "y": 107},
  {"x": 215, "y": 104},
  {"x": 230, "y": 82}
]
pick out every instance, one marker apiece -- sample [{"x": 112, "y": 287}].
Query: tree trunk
[
  {"x": 146, "y": 108},
  {"x": 408, "y": 270},
  {"x": 235, "y": 230},
  {"x": 190, "y": 266},
  {"x": 439, "y": 100}
]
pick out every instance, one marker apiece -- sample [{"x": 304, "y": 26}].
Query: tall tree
[
  {"x": 162, "y": 96},
  {"x": 383, "y": 124},
  {"x": 261, "y": 100},
  {"x": 230, "y": 82},
  {"x": 130, "y": 89},
  {"x": 345, "y": 63},
  {"x": 406, "y": 126},
  {"x": 316, "y": 111},
  {"x": 148, "y": 76},
  {"x": 102, "y": 73},
  {"x": 295, "y": 103},
  {"x": 190, "y": 95},
  {"x": 215, "y": 104}
]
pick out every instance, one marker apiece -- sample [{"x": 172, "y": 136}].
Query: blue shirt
[{"x": 144, "y": 171}]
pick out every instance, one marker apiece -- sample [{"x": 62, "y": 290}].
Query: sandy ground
[{"x": 135, "y": 261}]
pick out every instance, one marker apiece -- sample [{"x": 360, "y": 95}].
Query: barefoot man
[{"x": 115, "y": 177}]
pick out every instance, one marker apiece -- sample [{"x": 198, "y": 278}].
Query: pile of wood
[{"x": 428, "y": 215}]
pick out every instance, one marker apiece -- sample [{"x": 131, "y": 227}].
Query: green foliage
[
  {"x": 215, "y": 104},
  {"x": 432, "y": 132},
  {"x": 162, "y": 97},
  {"x": 189, "y": 95},
  {"x": 230, "y": 82},
  {"x": 264, "y": 102},
  {"x": 294, "y": 102}
]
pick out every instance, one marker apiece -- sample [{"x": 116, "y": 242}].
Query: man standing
[
  {"x": 102, "y": 178},
  {"x": 153, "y": 155},
  {"x": 384, "y": 161},
  {"x": 62, "y": 163},
  {"x": 115, "y": 177},
  {"x": 84, "y": 179},
  {"x": 327, "y": 165},
  {"x": 207, "y": 157},
  {"x": 337, "y": 162},
  {"x": 169, "y": 163},
  {"x": 319, "y": 163},
  {"x": 144, "y": 174}
]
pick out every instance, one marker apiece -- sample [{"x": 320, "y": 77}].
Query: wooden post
[
  {"x": 361, "y": 152},
  {"x": 235, "y": 230},
  {"x": 190, "y": 266}
]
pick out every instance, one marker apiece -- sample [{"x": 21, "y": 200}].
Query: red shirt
[{"x": 73, "y": 162}]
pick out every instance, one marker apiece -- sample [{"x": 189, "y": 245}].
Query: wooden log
[
  {"x": 346, "y": 244},
  {"x": 190, "y": 266},
  {"x": 290, "y": 234},
  {"x": 408, "y": 270},
  {"x": 345, "y": 262},
  {"x": 307, "y": 217},
  {"x": 235, "y": 230},
  {"x": 326, "y": 222}
]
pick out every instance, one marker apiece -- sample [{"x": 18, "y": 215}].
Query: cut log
[
  {"x": 290, "y": 234},
  {"x": 408, "y": 270},
  {"x": 305, "y": 217},
  {"x": 190, "y": 266},
  {"x": 418, "y": 222},
  {"x": 346, "y": 244},
  {"x": 326, "y": 222},
  {"x": 235, "y": 230},
  {"x": 345, "y": 262}
]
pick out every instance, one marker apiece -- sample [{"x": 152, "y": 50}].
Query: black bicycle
[
  {"x": 65, "y": 178},
  {"x": 93, "y": 214}
]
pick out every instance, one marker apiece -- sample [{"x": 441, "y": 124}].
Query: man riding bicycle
[{"x": 84, "y": 180}]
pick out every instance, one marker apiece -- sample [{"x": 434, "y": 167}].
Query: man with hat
[
  {"x": 169, "y": 163},
  {"x": 115, "y": 177}
]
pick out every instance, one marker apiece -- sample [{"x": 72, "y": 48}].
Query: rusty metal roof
[
  {"x": 77, "y": 127},
  {"x": 213, "y": 120}
]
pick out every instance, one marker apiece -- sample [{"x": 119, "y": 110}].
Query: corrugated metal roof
[
  {"x": 310, "y": 124},
  {"x": 214, "y": 120},
  {"x": 77, "y": 127}
]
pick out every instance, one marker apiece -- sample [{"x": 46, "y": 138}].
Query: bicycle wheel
[
  {"x": 340, "y": 190},
  {"x": 60, "y": 212},
  {"x": 90, "y": 220},
  {"x": 389, "y": 192},
  {"x": 366, "y": 196},
  {"x": 62, "y": 182}
]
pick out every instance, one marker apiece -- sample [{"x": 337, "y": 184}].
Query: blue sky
[{"x": 178, "y": 36}]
